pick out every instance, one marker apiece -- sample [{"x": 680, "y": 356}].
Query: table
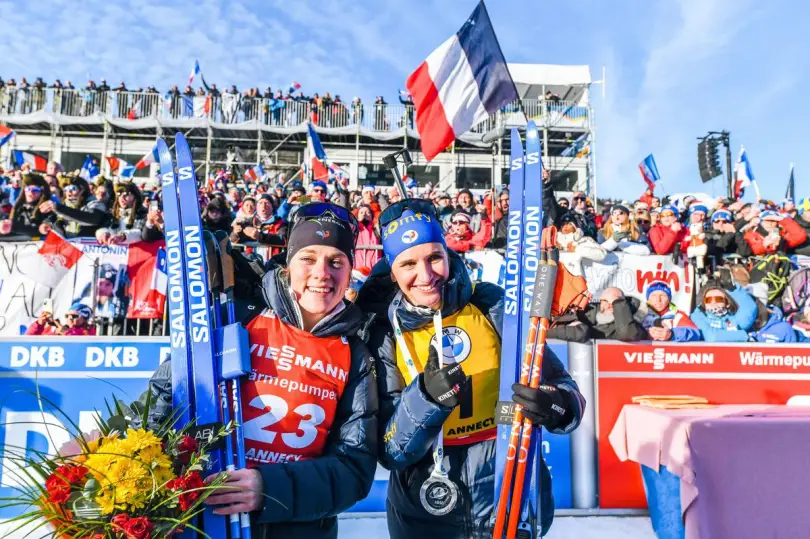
[{"x": 746, "y": 461}]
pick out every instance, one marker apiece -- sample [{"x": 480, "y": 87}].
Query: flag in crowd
[
  {"x": 579, "y": 148},
  {"x": 37, "y": 162},
  {"x": 791, "y": 186},
  {"x": 649, "y": 171},
  {"x": 89, "y": 169},
  {"x": 5, "y": 135},
  {"x": 317, "y": 155},
  {"x": 121, "y": 167},
  {"x": 460, "y": 84},
  {"x": 405, "y": 94},
  {"x": 255, "y": 173},
  {"x": 160, "y": 280},
  {"x": 57, "y": 257},
  {"x": 336, "y": 171},
  {"x": 194, "y": 72},
  {"x": 294, "y": 87},
  {"x": 146, "y": 160},
  {"x": 743, "y": 174}
]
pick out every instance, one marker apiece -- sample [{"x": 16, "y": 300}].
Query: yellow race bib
[{"x": 469, "y": 339}]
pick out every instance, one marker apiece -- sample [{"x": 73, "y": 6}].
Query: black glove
[
  {"x": 444, "y": 385},
  {"x": 544, "y": 406}
]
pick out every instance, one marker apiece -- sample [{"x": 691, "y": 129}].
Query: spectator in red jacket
[
  {"x": 668, "y": 232},
  {"x": 772, "y": 232},
  {"x": 461, "y": 238}
]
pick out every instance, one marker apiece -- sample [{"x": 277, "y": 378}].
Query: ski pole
[
  {"x": 215, "y": 282},
  {"x": 228, "y": 283},
  {"x": 530, "y": 371},
  {"x": 541, "y": 309}
]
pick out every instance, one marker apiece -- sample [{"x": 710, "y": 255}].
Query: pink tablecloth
[{"x": 655, "y": 437}]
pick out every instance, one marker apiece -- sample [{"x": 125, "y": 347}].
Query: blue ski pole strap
[{"x": 232, "y": 350}]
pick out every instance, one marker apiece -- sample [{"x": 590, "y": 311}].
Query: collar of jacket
[
  {"x": 379, "y": 290},
  {"x": 278, "y": 297}
]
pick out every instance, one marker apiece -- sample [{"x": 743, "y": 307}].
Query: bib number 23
[{"x": 311, "y": 415}]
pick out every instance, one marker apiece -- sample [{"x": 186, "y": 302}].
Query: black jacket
[
  {"x": 305, "y": 497},
  {"x": 554, "y": 213},
  {"x": 582, "y": 326},
  {"x": 81, "y": 222}
]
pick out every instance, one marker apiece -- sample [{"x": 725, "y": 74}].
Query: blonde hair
[{"x": 629, "y": 226}]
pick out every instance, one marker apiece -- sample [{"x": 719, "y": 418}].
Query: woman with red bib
[{"x": 310, "y": 402}]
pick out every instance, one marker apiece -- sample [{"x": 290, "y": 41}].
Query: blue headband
[
  {"x": 659, "y": 286},
  {"x": 410, "y": 230}
]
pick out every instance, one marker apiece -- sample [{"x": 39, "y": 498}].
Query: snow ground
[{"x": 563, "y": 528}]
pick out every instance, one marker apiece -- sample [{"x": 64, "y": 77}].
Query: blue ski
[
  {"x": 532, "y": 233},
  {"x": 511, "y": 346},
  {"x": 181, "y": 392},
  {"x": 206, "y": 400}
]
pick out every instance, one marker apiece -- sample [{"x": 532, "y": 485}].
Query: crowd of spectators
[
  {"x": 273, "y": 107},
  {"x": 741, "y": 251}
]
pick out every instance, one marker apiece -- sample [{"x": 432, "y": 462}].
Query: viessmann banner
[{"x": 723, "y": 373}]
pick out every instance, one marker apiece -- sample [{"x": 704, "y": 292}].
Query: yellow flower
[
  {"x": 163, "y": 476},
  {"x": 141, "y": 439},
  {"x": 154, "y": 456}
]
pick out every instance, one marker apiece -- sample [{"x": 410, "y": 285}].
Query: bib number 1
[{"x": 255, "y": 429}]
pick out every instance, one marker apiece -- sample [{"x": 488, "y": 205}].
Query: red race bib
[{"x": 290, "y": 397}]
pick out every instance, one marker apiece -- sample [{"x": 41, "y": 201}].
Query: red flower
[
  {"x": 120, "y": 521},
  {"x": 98, "y": 536},
  {"x": 139, "y": 528},
  {"x": 194, "y": 481},
  {"x": 187, "y": 445},
  {"x": 58, "y": 489}
]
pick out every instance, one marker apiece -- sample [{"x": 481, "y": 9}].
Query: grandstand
[{"x": 66, "y": 125}]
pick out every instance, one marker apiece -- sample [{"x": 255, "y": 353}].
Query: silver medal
[{"x": 438, "y": 495}]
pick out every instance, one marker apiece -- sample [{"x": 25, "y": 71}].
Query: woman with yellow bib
[{"x": 437, "y": 398}]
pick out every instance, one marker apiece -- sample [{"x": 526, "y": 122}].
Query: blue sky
[{"x": 675, "y": 68}]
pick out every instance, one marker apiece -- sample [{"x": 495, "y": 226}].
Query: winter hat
[
  {"x": 325, "y": 229},
  {"x": 770, "y": 215},
  {"x": 698, "y": 208},
  {"x": 659, "y": 286},
  {"x": 368, "y": 188},
  {"x": 671, "y": 208},
  {"x": 722, "y": 214},
  {"x": 461, "y": 216},
  {"x": 410, "y": 230},
  {"x": 619, "y": 208},
  {"x": 320, "y": 184},
  {"x": 81, "y": 309}
]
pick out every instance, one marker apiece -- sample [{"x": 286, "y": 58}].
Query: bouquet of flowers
[{"x": 121, "y": 481}]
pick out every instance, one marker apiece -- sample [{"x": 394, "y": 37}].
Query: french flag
[
  {"x": 124, "y": 169},
  {"x": 743, "y": 174},
  {"x": 294, "y": 87},
  {"x": 5, "y": 135},
  {"x": 255, "y": 173},
  {"x": 317, "y": 155},
  {"x": 146, "y": 160},
  {"x": 36, "y": 162},
  {"x": 194, "y": 72},
  {"x": 160, "y": 280},
  {"x": 461, "y": 83},
  {"x": 649, "y": 171}
]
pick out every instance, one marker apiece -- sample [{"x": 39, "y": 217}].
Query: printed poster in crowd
[{"x": 113, "y": 280}]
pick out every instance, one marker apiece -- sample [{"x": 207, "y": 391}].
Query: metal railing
[{"x": 238, "y": 108}]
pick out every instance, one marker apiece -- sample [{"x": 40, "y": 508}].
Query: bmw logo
[
  {"x": 409, "y": 237},
  {"x": 456, "y": 345}
]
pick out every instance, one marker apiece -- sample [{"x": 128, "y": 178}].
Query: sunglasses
[
  {"x": 318, "y": 209},
  {"x": 577, "y": 199},
  {"x": 722, "y": 221},
  {"x": 33, "y": 189},
  {"x": 71, "y": 316},
  {"x": 642, "y": 222},
  {"x": 714, "y": 299},
  {"x": 71, "y": 189},
  {"x": 416, "y": 205},
  {"x": 461, "y": 222}
]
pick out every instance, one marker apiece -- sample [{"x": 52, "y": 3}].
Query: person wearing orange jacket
[{"x": 770, "y": 233}]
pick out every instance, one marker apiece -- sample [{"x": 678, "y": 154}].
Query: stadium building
[{"x": 67, "y": 125}]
